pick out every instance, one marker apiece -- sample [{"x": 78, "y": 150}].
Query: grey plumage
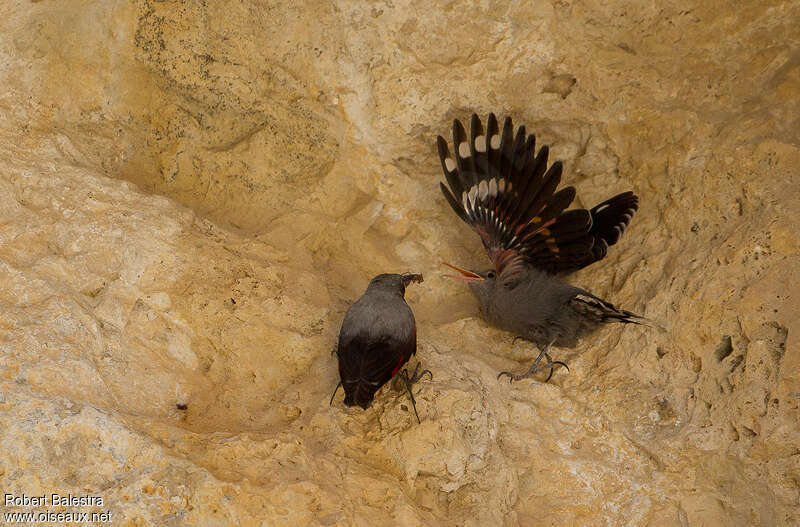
[
  {"x": 508, "y": 196},
  {"x": 378, "y": 336},
  {"x": 559, "y": 314}
]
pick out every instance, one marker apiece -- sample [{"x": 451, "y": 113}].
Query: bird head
[
  {"x": 481, "y": 283},
  {"x": 394, "y": 283}
]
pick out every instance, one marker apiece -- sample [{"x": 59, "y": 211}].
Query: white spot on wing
[
  {"x": 472, "y": 193},
  {"x": 480, "y": 143},
  {"x": 601, "y": 209},
  {"x": 449, "y": 164},
  {"x": 483, "y": 190},
  {"x": 495, "y": 142},
  {"x": 463, "y": 149},
  {"x": 587, "y": 299},
  {"x": 493, "y": 187},
  {"x": 501, "y": 187}
]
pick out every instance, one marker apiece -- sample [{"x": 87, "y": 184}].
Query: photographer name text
[{"x": 52, "y": 500}]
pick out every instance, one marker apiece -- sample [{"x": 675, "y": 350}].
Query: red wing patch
[{"x": 399, "y": 365}]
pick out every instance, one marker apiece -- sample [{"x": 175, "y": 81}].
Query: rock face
[{"x": 191, "y": 193}]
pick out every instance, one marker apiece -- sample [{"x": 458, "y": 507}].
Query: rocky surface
[{"x": 191, "y": 193}]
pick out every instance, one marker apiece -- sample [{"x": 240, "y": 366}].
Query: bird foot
[
  {"x": 410, "y": 380},
  {"x": 417, "y": 375},
  {"x": 535, "y": 367}
]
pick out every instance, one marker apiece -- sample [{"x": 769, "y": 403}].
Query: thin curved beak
[
  {"x": 411, "y": 277},
  {"x": 467, "y": 276}
]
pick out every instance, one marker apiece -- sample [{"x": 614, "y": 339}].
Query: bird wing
[
  {"x": 373, "y": 360},
  {"x": 609, "y": 220},
  {"x": 507, "y": 194},
  {"x": 592, "y": 307}
]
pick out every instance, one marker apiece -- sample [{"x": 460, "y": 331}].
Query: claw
[
  {"x": 510, "y": 376},
  {"x": 535, "y": 367},
  {"x": 417, "y": 375},
  {"x": 552, "y": 363}
]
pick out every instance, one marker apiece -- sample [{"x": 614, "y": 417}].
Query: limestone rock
[{"x": 191, "y": 194}]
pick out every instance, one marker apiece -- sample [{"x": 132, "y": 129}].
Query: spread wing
[{"x": 499, "y": 185}]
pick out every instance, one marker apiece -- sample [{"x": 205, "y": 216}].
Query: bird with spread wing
[{"x": 505, "y": 191}]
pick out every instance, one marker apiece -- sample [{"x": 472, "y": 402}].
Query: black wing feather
[
  {"x": 509, "y": 197},
  {"x": 366, "y": 364}
]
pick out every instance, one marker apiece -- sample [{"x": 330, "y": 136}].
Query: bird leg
[
  {"x": 535, "y": 367},
  {"x": 409, "y": 381}
]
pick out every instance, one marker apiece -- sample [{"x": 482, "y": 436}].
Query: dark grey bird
[
  {"x": 503, "y": 189},
  {"x": 377, "y": 338}
]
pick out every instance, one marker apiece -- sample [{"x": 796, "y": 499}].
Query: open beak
[
  {"x": 467, "y": 276},
  {"x": 411, "y": 277}
]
